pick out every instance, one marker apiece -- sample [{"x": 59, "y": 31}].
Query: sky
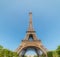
[{"x": 14, "y": 21}]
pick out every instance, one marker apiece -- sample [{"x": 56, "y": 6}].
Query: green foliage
[
  {"x": 15, "y": 54},
  {"x": 58, "y": 52},
  {"x": 50, "y": 54},
  {"x": 1, "y": 47},
  {"x": 42, "y": 55},
  {"x": 35, "y": 56},
  {"x": 7, "y": 53},
  {"x": 58, "y": 48}
]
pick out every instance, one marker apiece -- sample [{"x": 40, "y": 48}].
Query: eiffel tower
[{"x": 31, "y": 41}]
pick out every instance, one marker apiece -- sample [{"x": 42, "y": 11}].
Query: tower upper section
[{"x": 30, "y": 28}]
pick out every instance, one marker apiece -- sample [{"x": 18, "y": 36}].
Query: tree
[
  {"x": 1, "y": 47},
  {"x": 15, "y": 54},
  {"x": 58, "y": 48},
  {"x": 7, "y": 53},
  {"x": 35, "y": 56},
  {"x": 50, "y": 53}
]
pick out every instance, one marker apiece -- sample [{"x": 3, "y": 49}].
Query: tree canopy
[
  {"x": 1, "y": 47},
  {"x": 58, "y": 48},
  {"x": 7, "y": 53}
]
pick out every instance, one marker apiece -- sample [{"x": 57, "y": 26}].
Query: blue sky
[{"x": 14, "y": 21}]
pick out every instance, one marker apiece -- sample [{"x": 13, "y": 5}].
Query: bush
[
  {"x": 58, "y": 52},
  {"x": 7, "y": 53},
  {"x": 50, "y": 54}
]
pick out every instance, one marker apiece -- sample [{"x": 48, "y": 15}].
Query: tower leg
[{"x": 46, "y": 55}]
